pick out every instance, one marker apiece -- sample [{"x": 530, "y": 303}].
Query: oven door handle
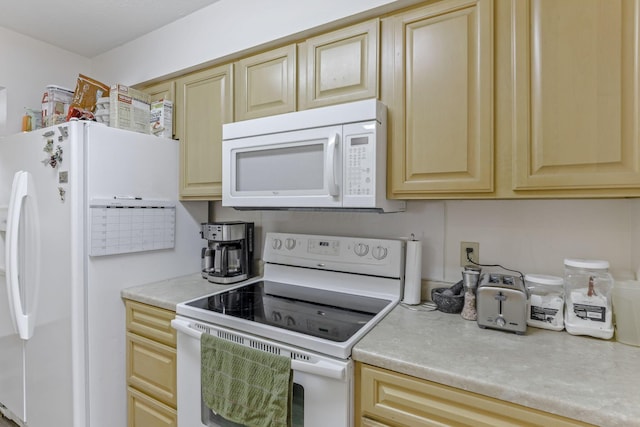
[
  {"x": 182, "y": 326},
  {"x": 321, "y": 367}
]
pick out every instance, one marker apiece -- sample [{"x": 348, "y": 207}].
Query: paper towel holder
[{"x": 413, "y": 272}]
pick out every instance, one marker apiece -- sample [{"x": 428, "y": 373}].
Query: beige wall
[
  {"x": 223, "y": 29},
  {"x": 533, "y": 236},
  {"x": 28, "y": 66}
]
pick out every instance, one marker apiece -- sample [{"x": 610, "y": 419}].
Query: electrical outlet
[{"x": 474, "y": 255}]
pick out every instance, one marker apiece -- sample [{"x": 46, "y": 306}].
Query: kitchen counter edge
[{"x": 168, "y": 293}]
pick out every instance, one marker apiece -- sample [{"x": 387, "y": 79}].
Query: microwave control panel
[{"x": 360, "y": 165}]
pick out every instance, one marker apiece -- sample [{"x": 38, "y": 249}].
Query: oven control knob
[
  {"x": 290, "y": 321},
  {"x": 501, "y": 322},
  {"x": 379, "y": 252},
  {"x": 290, "y": 243},
  {"x": 276, "y": 316},
  {"x": 277, "y": 244},
  {"x": 361, "y": 249}
]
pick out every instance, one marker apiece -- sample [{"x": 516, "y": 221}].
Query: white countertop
[
  {"x": 587, "y": 379},
  {"x": 584, "y": 378},
  {"x": 167, "y": 293}
]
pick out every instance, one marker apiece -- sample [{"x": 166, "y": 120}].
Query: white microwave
[{"x": 321, "y": 159}]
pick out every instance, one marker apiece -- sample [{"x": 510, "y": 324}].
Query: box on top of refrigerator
[
  {"x": 162, "y": 118},
  {"x": 129, "y": 109},
  {"x": 55, "y": 105}
]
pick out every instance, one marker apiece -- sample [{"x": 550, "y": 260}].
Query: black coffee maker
[{"x": 228, "y": 257}]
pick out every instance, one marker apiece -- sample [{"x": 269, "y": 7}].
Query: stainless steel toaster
[{"x": 501, "y": 302}]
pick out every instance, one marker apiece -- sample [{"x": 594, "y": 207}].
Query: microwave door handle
[{"x": 332, "y": 182}]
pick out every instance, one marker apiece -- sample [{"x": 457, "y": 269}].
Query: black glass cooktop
[{"x": 335, "y": 316}]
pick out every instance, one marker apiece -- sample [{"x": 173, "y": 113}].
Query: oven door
[
  {"x": 322, "y": 386},
  {"x": 290, "y": 169}
]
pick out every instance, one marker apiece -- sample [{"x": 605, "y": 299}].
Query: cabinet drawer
[
  {"x": 151, "y": 322},
  {"x": 151, "y": 368},
  {"x": 401, "y": 400},
  {"x": 147, "y": 412},
  {"x": 368, "y": 422}
]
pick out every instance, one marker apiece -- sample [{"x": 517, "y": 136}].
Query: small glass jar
[
  {"x": 587, "y": 287},
  {"x": 470, "y": 281},
  {"x": 546, "y": 301}
]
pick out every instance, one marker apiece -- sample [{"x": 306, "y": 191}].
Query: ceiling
[{"x": 92, "y": 27}]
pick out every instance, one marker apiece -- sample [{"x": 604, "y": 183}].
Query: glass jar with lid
[
  {"x": 546, "y": 301},
  {"x": 588, "y": 285}
]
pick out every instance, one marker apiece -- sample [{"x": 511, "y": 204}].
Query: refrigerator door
[
  {"x": 22, "y": 265},
  {"x": 71, "y": 372},
  {"x": 11, "y": 346},
  {"x": 128, "y": 164},
  {"x": 35, "y": 356}
]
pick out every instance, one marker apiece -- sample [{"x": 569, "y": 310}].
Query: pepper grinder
[{"x": 470, "y": 279}]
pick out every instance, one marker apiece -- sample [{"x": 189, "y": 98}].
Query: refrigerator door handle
[{"x": 21, "y": 190}]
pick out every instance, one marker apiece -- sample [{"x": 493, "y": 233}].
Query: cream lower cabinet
[
  {"x": 576, "y": 110},
  {"x": 386, "y": 398},
  {"x": 204, "y": 102},
  {"x": 438, "y": 82},
  {"x": 151, "y": 366}
]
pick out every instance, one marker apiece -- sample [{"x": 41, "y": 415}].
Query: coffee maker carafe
[{"x": 229, "y": 252}]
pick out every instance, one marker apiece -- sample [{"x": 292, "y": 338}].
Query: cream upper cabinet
[
  {"x": 266, "y": 84},
  {"x": 162, "y": 90},
  {"x": 437, "y": 79},
  {"x": 204, "y": 102},
  {"x": 339, "y": 66},
  {"x": 576, "y": 111}
]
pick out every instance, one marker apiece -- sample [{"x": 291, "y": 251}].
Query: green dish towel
[{"x": 244, "y": 385}]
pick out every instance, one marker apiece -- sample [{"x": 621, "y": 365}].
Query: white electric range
[{"x": 317, "y": 298}]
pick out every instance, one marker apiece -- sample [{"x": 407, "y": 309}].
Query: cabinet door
[
  {"x": 203, "y": 103},
  {"x": 266, "y": 84},
  {"x": 400, "y": 400},
  {"x": 439, "y": 64},
  {"x": 576, "y": 114},
  {"x": 162, "y": 90},
  {"x": 151, "y": 368},
  {"x": 340, "y": 66},
  {"x": 146, "y": 412}
]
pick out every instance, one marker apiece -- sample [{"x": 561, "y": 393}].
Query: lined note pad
[{"x": 123, "y": 226}]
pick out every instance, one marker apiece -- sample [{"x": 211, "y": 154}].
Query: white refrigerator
[{"x": 85, "y": 211}]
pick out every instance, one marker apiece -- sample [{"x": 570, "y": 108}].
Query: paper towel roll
[{"x": 413, "y": 273}]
